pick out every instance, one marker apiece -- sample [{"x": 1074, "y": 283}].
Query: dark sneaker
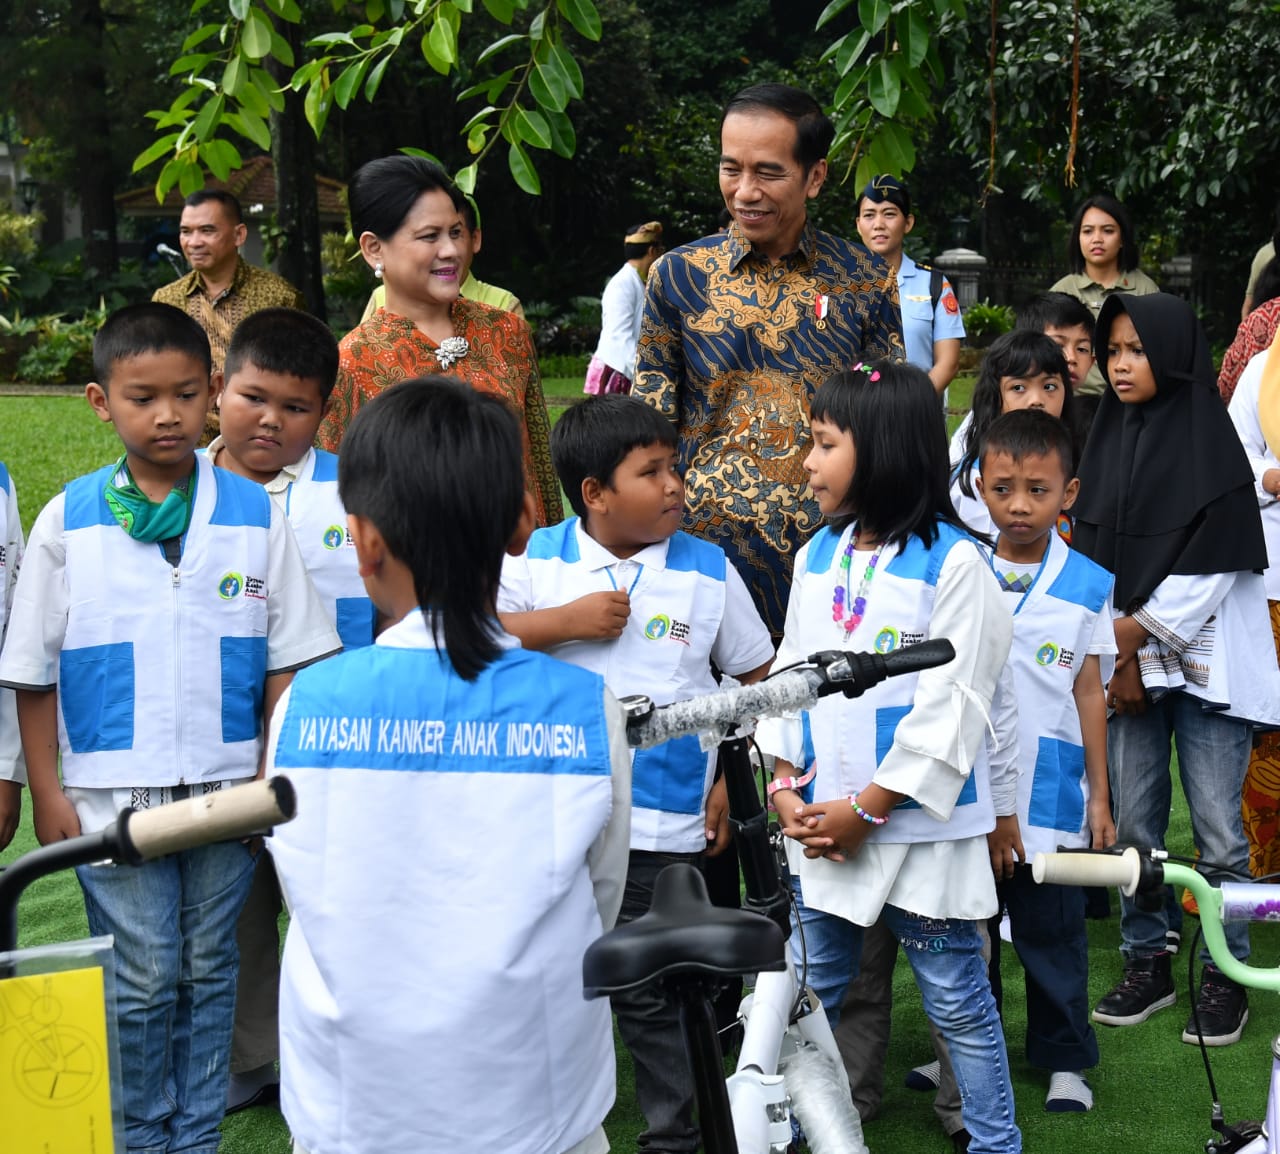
[
  {"x": 1147, "y": 986},
  {"x": 1223, "y": 1007}
]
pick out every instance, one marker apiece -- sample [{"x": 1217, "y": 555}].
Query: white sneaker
[{"x": 1068, "y": 1093}]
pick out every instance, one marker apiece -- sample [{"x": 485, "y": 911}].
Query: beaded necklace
[{"x": 840, "y": 594}]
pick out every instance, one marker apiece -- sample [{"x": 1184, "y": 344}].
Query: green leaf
[
  {"x": 251, "y": 127},
  {"x": 235, "y": 75},
  {"x": 191, "y": 179},
  {"x": 480, "y": 116},
  {"x": 265, "y": 86},
  {"x": 348, "y": 83},
  {"x": 422, "y": 152},
  {"x": 851, "y": 49},
  {"x": 328, "y": 38},
  {"x": 255, "y": 37},
  {"x": 317, "y": 104},
  {"x": 547, "y": 82},
  {"x": 526, "y": 176},
  {"x": 375, "y": 77},
  {"x": 913, "y": 36},
  {"x": 569, "y": 66},
  {"x": 239, "y": 9},
  {"x": 884, "y": 87},
  {"x": 253, "y": 99},
  {"x": 281, "y": 49},
  {"x": 501, "y": 10},
  {"x": 564, "y": 141},
  {"x": 531, "y": 127},
  {"x": 200, "y": 35},
  {"x": 853, "y": 80},
  {"x": 896, "y": 147},
  {"x": 191, "y": 63},
  {"x": 168, "y": 177},
  {"x": 583, "y": 16},
  {"x": 161, "y": 147},
  {"x": 538, "y": 25},
  {"x": 831, "y": 11},
  {"x": 498, "y": 45},
  {"x": 461, "y": 5},
  {"x": 873, "y": 15},
  {"x": 308, "y": 72},
  {"x": 209, "y": 116},
  {"x": 476, "y": 138},
  {"x": 465, "y": 179},
  {"x": 439, "y": 47},
  {"x": 221, "y": 156}
]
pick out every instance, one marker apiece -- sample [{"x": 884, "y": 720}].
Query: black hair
[
  {"x": 433, "y": 443},
  {"x": 593, "y": 437},
  {"x": 814, "y": 130},
  {"x": 149, "y": 327},
  {"x": 285, "y": 341},
  {"x": 229, "y": 202},
  {"x": 1128, "y": 259},
  {"x": 1267, "y": 286},
  {"x": 1055, "y": 310},
  {"x": 1021, "y": 353},
  {"x": 381, "y": 193},
  {"x": 1029, "y": 433},
  {"x": 900, "y": 485}
]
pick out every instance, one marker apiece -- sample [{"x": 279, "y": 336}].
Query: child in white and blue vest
[
  {"x": 906, "y": 800},
  {"x": 161, "y": 611},
  {"x": 280, "y": 370},
  {"x": 620, "y": 591},
  {"x": 1063, "y": 652},
  {"x": 13, "y": 770},
  {"x": 462, "y": 823}
]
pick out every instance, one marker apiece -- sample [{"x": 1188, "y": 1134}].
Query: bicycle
[
  {"x": 788, "y": 1056},
  {"x": 1145, "y": 873}
]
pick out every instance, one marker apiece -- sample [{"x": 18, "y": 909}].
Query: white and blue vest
[
  {"x": 851, "y": 737},
  {"x": 162, "y": 670},
  {"x": 319, "y": 525},
  {"x": 6, "y": 562},
  {"x": 1053, "y": 626},
  {"x": 438, "y": 880},
  {"x": 664, "y": 652}
]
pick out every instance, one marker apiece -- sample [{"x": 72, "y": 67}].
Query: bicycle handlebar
[
  {"x": 226, "y": 815},
  {"x": 831, "y": 671},
  {"x": 1144, "y": 872}
]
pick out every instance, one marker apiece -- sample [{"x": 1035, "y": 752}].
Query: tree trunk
[
  {"x": 91, "y": 140},
  {"x": 293, "y": 152}
]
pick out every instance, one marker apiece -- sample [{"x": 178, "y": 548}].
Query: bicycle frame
[{"x": 1232, "y": 901}]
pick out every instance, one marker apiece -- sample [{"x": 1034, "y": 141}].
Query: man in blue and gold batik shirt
[{"x": 741, "y": 328}]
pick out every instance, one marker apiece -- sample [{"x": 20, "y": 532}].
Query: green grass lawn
[{"x": 1150, "y": 1088}]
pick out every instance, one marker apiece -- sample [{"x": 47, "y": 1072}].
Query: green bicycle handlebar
[{"x": 1131, "y": 870}]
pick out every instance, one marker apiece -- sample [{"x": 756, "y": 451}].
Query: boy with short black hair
[
  {"x": 280, "y": 370},
  {"x": 619, "y": 590},
  {"x": 489, "y": 783},
  {"x": 1062, "y": 637},
  {"x": 161, "y": 611},
  {"x": 1067, "y": 322}
]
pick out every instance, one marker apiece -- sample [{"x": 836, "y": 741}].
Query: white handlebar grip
[
  {"x": 225, "y": 815},
  {"x": 1089, "y": 869}
]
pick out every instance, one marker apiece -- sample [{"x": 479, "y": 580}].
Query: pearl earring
[{"x": 377, "y": 270}]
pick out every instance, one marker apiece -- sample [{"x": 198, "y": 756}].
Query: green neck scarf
[{"x": 142, "y": 518}]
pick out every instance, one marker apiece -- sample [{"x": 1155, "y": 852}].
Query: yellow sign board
[{"x": 55, "y": 1085}]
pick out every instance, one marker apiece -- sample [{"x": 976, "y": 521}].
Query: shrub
[{"x": 983, "y": 322}]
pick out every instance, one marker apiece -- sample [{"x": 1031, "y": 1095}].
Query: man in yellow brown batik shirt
[
  {"x": 222, "y": 288},
  {"x": 741, "y": 328}
]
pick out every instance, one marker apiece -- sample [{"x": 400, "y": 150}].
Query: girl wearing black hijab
[{"x": 1167, "y": 503}]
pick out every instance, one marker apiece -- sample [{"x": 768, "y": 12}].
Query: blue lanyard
[{"x": 609, "y": 573}]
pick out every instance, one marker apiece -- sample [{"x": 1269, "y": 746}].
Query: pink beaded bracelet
[{"x": 862, "y": 813}]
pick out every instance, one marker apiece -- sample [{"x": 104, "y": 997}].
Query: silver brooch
[{"x": 451, "y": 351}]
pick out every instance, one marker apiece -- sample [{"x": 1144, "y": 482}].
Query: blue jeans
[
  {"x": 945, "y": 956},
  {"x": 1213, "y": 754},
  {"x": 174, "y": 923}
]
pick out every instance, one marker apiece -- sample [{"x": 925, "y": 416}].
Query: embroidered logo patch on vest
[
  {"x": 230, "y": 585},
  {"x": 1047, "y": 654},
  {"x": 334, "y": 537},
  {"x": 886, "y": 640},
  {"x": 660, "y": 626}
]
